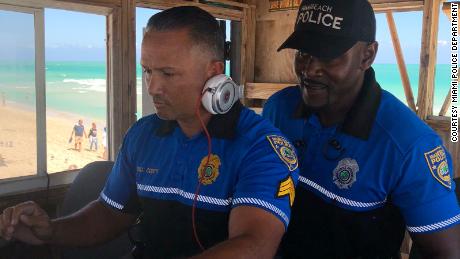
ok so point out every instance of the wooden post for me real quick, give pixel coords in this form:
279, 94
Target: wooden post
445, 105
248, 39
401, 63
122, 77
446, 8
248, 42
428, 58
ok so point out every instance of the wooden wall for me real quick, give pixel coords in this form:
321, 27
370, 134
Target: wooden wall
272, 28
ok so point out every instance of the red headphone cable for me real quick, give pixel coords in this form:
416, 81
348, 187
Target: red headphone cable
201, 174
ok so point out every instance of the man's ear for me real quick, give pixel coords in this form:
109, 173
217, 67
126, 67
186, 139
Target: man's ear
369, 53
215, 68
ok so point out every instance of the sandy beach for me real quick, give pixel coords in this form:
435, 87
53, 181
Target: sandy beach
18, 148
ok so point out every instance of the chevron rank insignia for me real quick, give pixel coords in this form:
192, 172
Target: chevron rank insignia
284, 150
287, 188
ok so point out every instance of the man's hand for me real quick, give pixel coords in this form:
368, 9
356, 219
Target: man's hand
26, 222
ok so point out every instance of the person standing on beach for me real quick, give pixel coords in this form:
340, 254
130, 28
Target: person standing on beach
79, 131
211, 178
370, 168
105, 154
93, 137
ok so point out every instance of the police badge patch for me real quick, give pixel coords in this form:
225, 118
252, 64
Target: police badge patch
439, 168
208, 174
344, 174
284, 150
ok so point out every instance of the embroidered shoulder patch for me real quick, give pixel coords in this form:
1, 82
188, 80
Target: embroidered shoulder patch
287, 188
439, 168
284, 150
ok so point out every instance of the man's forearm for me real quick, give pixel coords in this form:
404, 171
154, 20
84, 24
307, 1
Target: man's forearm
244, 246
94, 224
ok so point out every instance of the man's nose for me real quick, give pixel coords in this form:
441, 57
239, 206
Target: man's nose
313, 68
154, 86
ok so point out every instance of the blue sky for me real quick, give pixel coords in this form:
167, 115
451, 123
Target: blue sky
80, 37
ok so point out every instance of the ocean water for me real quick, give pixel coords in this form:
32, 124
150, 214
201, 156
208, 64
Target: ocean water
80, 87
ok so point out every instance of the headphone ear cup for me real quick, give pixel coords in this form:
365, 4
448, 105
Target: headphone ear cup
206, 100
220, 93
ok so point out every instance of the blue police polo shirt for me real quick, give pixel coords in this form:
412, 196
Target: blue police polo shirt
158, 167
382, 151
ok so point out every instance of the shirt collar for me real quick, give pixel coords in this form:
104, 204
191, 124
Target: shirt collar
360, 118
219, 126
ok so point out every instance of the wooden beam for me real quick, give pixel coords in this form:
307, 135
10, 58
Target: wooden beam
262, 90
129, 62
109, 3
439, 123
248, 44
235, 53
247, 48
230, 3
401, 63
122, 72
402, 6
446, 8
218, 12
428, 58
446, 104
113, 80
77, 6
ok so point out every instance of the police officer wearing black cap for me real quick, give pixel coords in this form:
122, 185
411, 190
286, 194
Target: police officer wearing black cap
370, 168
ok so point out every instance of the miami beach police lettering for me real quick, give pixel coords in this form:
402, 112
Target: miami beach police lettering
319, 14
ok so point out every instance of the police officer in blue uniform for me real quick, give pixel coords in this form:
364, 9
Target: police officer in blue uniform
210, 177
369, 167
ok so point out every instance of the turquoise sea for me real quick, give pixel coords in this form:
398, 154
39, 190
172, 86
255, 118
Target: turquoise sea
80, 87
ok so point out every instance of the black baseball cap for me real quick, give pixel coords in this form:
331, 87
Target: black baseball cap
328, 28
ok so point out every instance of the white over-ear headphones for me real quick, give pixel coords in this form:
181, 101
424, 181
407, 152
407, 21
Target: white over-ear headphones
219, 94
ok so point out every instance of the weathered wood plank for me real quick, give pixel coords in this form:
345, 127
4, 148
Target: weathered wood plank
219, 12
428, 58
230, 3
249, 43
446, 8
445, 104
399, 6
262, 90
77, 6
122, 72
